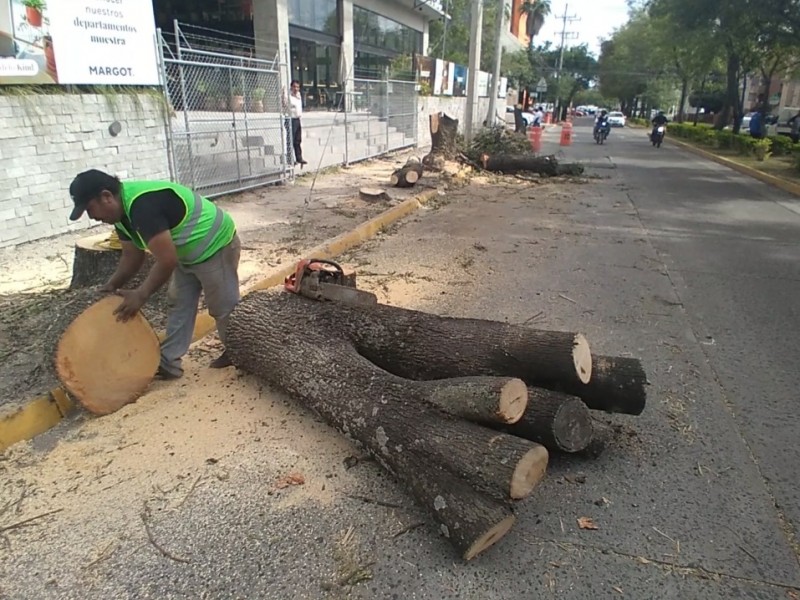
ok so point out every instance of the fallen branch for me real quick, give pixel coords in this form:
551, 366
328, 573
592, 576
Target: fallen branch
158, 546
29, 520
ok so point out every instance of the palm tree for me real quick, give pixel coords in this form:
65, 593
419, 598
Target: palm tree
535, 12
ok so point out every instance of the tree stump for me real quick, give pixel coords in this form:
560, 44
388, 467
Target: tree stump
463, 473
373, 194
104, 363
444, 136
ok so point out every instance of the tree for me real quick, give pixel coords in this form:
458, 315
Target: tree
535, 12
451, 43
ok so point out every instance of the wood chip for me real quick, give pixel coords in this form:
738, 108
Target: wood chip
586, 523
617, 589
290, 479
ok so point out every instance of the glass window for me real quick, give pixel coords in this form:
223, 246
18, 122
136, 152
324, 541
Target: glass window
382, 32
319, 15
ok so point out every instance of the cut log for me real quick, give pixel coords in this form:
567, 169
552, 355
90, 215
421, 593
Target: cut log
444, 135
480, 399
459, 470
373, 194
544, 165
618, 385
557, 421
104, 363
406, 176
31, 330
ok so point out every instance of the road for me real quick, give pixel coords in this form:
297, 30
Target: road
661, 255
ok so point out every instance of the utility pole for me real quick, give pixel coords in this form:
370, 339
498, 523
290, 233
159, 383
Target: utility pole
446, 21
476, 29
494, 88
565, 18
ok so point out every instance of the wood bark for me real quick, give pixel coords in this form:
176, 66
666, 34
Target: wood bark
462, 472
544, 165
618, 385
407, 176
557, 421
444, 135
94, 263
480, 399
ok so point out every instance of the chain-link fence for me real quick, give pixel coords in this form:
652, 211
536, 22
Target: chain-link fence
226, 129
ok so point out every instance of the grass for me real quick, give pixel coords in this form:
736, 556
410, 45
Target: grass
777, 166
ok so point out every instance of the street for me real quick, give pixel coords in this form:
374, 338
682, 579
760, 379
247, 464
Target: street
658, 254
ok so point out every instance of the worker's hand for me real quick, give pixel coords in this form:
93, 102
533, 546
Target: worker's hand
132, 301
106, 289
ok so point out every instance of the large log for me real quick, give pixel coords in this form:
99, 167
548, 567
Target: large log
618, 385
557, 421
544, 165
95, 260
461, 471
480, 399
407, 176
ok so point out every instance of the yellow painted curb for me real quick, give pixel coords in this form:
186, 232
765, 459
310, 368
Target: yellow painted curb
779, 182
45, 412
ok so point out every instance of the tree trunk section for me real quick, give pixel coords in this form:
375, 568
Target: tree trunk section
407, 176
543, 165
618, 385
480, 399
104, 363
557, 421
35, 355
457, 469
95, 261
444, 135
373, 194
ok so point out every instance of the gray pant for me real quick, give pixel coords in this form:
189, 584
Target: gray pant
218, 279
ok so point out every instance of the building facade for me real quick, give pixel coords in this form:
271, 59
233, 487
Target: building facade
330, 42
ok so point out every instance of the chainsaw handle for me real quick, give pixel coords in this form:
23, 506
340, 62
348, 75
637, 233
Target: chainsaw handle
325, 261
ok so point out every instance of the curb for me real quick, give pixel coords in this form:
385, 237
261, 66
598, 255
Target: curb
779, 182
40, 414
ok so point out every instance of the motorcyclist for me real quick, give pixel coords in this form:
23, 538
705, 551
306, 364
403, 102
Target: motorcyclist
658, 120
602, 122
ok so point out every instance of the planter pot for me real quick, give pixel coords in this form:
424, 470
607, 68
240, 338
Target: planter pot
256, 106
210, 104
50, 57
34, 17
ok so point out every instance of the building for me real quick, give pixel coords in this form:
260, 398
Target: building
329, 42
519, 23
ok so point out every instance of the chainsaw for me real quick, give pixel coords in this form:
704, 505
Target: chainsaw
322, 279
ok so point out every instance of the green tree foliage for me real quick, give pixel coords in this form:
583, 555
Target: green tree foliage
454, 43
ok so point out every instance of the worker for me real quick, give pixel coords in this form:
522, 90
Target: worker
193, 242
296, 130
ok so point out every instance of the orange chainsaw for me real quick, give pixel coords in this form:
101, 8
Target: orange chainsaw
322, 279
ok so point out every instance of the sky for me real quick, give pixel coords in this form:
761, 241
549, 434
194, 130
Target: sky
598, 19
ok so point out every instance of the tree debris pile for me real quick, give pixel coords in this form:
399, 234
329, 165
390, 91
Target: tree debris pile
461, 411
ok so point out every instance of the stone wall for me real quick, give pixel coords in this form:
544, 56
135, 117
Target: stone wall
46, 139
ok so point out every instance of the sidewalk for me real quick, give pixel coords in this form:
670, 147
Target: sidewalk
277, 225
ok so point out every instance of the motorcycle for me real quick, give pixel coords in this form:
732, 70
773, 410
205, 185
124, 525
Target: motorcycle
657, 136
601, 131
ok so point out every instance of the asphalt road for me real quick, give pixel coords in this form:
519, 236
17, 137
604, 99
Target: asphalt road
664, 256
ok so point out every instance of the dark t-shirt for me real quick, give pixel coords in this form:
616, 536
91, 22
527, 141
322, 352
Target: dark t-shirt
154, 212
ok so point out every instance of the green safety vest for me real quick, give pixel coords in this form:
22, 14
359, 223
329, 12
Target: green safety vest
204, 230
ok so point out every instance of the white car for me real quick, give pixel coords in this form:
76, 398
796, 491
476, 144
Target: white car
616, 119
528, 117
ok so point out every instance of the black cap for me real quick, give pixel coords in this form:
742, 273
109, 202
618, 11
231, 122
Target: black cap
89, 185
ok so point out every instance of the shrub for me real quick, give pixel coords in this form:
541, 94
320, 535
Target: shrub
762, 149
497, 140
781, 145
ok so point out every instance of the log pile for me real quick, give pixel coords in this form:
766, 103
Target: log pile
463, 412
543, 165
408, 175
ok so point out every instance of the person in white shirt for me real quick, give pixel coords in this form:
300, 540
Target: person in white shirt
295, 113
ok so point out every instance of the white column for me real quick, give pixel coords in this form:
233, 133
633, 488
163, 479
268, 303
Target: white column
271, 29
426, 38
347, 49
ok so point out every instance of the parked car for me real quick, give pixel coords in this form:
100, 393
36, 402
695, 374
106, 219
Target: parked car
526, 116
616, 119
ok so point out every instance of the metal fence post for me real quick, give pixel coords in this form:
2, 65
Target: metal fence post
165, 108
185, 105
345, 108
386, 100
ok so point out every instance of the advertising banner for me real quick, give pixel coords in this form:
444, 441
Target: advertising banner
483, 84
460, 80
91, 42
443, 82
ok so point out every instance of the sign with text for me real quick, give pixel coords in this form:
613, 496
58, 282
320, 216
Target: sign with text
91, 42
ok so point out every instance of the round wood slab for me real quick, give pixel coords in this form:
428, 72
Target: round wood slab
104, 363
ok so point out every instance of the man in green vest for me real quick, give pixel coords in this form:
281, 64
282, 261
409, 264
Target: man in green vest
193, 241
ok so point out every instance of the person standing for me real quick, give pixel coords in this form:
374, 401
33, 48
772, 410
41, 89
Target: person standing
193, 242
295, 114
